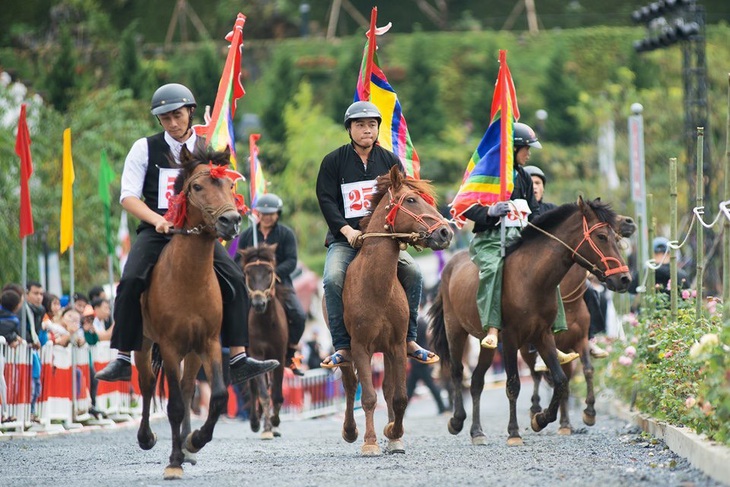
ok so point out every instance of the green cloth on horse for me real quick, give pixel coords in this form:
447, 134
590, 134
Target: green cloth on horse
485, 252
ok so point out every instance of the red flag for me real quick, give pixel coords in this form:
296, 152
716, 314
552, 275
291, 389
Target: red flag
22, 148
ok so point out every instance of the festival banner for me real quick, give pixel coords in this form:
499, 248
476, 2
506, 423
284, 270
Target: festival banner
22, 149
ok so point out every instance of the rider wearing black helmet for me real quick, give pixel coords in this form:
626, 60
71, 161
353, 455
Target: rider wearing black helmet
351, 170
538, 185
270, 231
151, 165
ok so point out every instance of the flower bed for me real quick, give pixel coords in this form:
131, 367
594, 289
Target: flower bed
676, 372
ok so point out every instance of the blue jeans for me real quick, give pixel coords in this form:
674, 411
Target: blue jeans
339, 256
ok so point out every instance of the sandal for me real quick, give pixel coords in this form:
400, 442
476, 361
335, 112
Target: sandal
424, 356
335, 360
9, 419
489, 341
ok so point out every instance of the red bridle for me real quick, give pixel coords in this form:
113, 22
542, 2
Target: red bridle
266, 293
395, 207
605, 260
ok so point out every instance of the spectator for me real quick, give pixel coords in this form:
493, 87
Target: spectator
37, 336
52, 305
314, 355
71, 331
422, 372
80, 302
662, 274
10, 303
96, 292
102, 316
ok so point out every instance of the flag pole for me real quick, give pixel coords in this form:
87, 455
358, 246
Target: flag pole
110, 267
71, 270
24, 283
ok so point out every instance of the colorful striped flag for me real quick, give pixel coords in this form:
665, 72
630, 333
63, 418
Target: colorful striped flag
258, 181
22, 149
219, 131
489, 175
67, 196
373, 86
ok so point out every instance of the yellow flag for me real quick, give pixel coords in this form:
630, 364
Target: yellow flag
67, 197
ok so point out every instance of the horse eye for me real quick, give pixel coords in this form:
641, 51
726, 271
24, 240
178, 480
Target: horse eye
602, 237
411, 199
197, 187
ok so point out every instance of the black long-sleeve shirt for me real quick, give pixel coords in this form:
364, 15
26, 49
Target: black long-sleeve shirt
341, 167
286, 248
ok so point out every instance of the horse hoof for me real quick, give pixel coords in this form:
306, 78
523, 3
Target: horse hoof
349, 437
277, 433
275, 420
515, 441
536, 424
533, 413
370, 451
455, 426
388, 431
190, 457
173, 473
589, 420
147, 445
188, 445
480, 440
255, 426
267, 435
395, 446
565, 431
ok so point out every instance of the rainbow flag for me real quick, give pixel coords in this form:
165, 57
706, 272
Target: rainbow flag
373, 86
489, 175
218, 131
258, 181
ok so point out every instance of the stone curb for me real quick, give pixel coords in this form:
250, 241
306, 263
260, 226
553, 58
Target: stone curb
711, 457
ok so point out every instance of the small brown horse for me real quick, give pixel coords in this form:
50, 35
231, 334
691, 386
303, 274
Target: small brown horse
535, 264
182, 307
572, 289
375, 304
268, 333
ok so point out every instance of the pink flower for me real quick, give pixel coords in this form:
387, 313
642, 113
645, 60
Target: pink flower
630, 351
694, 293
685, 294
624, 360
669, 285
634, 340
707, 408
690, 402
668, 354
712, 307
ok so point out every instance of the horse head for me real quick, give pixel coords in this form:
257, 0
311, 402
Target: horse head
205, 201
409, 212
599, 251
259, 269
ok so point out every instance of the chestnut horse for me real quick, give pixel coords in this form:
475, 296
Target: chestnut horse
375, 304
268, 333
182, 307
535, 264
575, 338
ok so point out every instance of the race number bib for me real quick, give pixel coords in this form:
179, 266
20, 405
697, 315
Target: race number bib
355, 197
517, 217
166, 185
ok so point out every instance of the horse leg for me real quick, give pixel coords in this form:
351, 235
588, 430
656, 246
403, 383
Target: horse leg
175, 413
395, 368
145, 437
369, 400
349, 427
388, 386
218, 397
265, 402
509, 351
190, 371
254, 417
589, 413
529, 359
565, 428
549, 353
277, 396
477, 386
457, 340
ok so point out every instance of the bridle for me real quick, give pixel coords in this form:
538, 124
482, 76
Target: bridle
268, 292
210, 214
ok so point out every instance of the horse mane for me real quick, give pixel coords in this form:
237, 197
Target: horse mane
382, 186
550, 220
266, 253
200, 155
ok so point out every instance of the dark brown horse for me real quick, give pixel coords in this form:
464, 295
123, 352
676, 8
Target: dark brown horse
268, 333
375, 304
182, 307
575, 338
534, 266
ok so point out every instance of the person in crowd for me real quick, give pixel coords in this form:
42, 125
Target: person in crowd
353, 168
52, 305
80, 302
423, 372
662, 275
152, 163
271, 231
102, 314
485, 247
72, 333
96, 292
10, 304
314, 351
38, 337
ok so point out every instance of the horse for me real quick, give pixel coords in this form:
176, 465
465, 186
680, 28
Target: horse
268, 331
534, 265
375, 304
182, 306
574, 338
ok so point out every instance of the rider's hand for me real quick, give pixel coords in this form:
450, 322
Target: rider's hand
351, 235
163, 226
498, 209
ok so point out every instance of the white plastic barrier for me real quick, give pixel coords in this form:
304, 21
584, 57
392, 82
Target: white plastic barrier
17, 375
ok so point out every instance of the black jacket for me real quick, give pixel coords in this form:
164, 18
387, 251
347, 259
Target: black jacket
286, 249
9, 325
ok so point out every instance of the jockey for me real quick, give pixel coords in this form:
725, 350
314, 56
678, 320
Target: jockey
149, 170
485, 247
346, 176
268, 208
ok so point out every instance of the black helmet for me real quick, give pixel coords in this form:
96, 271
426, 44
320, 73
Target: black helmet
524, 135
269, 203
535, 171
362, 109
170, 97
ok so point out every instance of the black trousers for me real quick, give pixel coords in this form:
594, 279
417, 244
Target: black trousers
127, 334
295, 316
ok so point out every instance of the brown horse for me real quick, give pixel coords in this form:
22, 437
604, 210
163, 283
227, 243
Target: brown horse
268, 332
375, 304
535, 264
575, 338
182, 307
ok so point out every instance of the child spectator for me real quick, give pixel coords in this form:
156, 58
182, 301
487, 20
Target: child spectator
102, 318
10, 303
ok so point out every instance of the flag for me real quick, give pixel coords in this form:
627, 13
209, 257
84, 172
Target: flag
67, 201
258, 181
219, 131
373, 86
489, 175
22, 149
106, 177
124, 243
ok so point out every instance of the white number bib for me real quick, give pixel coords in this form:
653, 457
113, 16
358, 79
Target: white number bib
355, 197
517, 217
165, 186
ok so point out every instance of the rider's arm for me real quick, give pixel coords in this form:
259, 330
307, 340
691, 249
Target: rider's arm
288, 251
328, 194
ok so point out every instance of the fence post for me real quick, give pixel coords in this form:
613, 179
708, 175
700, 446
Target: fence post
699, 202
650, 224
674, 288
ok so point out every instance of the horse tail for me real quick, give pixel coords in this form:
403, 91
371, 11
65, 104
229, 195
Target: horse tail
439, 340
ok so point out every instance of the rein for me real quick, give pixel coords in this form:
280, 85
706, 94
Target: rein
210, 214
571, 296
267, 293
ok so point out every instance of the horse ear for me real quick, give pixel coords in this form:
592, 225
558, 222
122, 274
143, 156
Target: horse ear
396, 177
184, 153
242, 253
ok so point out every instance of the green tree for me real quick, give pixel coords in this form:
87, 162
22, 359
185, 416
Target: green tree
282, 82
61, 81
422, 106
561, 93
205, 74
129, 71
